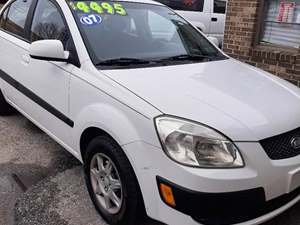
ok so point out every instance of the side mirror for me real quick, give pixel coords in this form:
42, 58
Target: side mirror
49, 50
214, 40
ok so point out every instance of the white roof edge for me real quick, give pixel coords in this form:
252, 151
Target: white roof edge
142, 1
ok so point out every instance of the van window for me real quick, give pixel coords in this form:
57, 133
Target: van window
184, 5
16, 16
219, 6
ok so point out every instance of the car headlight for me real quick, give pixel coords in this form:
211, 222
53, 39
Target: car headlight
196, 145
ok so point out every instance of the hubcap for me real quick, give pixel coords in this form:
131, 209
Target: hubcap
106, 183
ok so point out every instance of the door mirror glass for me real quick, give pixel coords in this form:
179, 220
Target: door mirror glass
49, 50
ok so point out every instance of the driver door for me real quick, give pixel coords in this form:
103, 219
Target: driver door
47, 81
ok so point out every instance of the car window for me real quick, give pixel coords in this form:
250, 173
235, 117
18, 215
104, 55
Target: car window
48, 23
139, 31
219, 6
3, 18
161, 27
185, 5
14, 17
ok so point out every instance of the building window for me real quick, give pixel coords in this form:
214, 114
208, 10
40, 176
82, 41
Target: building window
282, 23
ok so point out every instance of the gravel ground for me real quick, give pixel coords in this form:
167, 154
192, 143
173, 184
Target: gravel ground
27, 156
60, 200
41, 184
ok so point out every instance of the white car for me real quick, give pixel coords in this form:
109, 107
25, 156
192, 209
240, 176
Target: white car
207, 15
164, 122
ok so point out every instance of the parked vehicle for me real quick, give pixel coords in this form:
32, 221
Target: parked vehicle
162, 120
207, 15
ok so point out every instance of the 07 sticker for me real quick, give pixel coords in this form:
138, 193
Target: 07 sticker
99, 7
90, 20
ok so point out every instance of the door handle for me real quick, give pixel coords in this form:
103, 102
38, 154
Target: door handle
25, 59
214, 19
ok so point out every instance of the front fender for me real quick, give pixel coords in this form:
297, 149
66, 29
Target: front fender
123, 127
109, 119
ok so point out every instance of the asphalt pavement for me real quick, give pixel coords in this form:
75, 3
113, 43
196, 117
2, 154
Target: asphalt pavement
42, 184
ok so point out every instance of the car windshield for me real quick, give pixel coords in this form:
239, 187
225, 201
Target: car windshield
130, 33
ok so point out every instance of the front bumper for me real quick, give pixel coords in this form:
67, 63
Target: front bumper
225, 208
250, 195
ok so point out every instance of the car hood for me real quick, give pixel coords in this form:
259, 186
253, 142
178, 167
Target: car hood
241, 101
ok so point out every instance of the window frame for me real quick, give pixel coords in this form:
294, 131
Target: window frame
28, 23
2, 14
57, 6
213, 10
74, 59
261, 12
7, 7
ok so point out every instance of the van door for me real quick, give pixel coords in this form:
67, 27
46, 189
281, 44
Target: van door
218, 19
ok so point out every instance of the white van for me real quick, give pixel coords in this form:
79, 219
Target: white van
208, 15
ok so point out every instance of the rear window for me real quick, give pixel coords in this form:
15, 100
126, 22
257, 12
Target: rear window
184, 5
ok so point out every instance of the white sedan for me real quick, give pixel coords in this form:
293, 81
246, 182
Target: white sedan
164, 122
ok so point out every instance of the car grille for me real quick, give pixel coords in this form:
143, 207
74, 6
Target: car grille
280, 147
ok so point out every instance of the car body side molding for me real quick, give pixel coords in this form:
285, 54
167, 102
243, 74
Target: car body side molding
28, 93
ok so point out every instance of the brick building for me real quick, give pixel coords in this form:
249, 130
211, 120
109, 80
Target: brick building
266, 34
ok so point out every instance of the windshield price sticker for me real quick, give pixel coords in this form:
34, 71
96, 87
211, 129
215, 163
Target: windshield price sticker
90, 20
99, 7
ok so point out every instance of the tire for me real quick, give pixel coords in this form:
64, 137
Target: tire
102, 149
5, 108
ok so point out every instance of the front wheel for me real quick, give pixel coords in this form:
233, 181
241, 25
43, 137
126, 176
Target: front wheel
5, 108
111, 182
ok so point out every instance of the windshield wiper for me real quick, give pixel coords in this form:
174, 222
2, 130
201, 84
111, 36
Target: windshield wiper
188, 57
122, 62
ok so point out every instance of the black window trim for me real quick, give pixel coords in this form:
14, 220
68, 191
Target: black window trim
13, 34
4, 8
73, 51
29, 19
28, 23
215, 7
